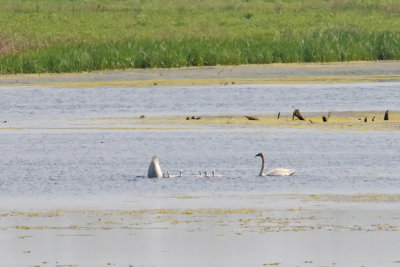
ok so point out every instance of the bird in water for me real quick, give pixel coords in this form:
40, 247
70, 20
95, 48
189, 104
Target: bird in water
199, 175
274, 172
206, 175
154, 169
216, 175
175, 176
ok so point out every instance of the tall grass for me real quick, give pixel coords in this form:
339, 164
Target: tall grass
86, 35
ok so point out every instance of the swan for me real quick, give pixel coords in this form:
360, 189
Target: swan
174, 176
216, 175
199, 175
154, 169
206, 175
274, 172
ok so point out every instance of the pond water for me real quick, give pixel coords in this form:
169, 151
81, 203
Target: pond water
93, 162
28, 102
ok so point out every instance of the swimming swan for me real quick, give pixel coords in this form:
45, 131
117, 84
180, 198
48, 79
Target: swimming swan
274, 172
154, 169
216, 175
206, 175
174, 176
199, 175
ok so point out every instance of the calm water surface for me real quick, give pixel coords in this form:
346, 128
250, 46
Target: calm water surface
90, 162
28, 102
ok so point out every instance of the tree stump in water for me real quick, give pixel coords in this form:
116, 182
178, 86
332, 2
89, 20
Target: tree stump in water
296, 113
386, 118
324, 119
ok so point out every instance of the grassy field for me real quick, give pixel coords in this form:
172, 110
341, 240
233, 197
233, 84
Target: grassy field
83, 35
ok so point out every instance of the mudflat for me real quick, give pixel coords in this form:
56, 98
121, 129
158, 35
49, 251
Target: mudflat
342, 72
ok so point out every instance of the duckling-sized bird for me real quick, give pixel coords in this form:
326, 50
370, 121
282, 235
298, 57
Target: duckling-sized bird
216, 175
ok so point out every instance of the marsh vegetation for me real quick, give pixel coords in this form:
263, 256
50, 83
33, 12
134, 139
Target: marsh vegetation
84, 35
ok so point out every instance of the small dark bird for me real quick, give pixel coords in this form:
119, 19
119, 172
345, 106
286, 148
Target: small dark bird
279, 115
324, 119
365, 119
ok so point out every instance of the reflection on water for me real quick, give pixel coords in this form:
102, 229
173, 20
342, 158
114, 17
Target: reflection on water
85, 163
26, 102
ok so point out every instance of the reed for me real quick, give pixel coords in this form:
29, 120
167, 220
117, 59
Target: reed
85, 35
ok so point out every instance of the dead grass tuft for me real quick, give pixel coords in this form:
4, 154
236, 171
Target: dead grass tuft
7, 45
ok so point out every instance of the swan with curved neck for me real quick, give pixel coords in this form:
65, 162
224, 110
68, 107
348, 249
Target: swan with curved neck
274, 172
154, 169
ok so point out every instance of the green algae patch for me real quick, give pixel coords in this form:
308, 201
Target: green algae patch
354, 198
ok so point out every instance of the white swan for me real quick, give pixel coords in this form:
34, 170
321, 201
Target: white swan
154, 169
216, 175
274, 172
199, 175
206, 175
174, 176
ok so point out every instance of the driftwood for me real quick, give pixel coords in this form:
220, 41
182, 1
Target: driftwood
252, 118
386, 118
193, 118
297, 114
324, 119
373, 119
311, 121
365, 119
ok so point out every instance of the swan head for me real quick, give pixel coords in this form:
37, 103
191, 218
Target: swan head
260, 155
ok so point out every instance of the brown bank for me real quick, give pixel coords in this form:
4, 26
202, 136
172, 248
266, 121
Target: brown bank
348, 72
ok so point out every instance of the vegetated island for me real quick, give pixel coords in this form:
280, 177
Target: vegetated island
50, 36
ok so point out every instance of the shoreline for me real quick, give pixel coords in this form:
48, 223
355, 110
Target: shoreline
302, 73
296, 230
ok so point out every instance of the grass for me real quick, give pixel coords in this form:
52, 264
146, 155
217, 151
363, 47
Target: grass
84, 35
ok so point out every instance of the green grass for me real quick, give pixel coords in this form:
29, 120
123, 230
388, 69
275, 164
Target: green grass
85, 35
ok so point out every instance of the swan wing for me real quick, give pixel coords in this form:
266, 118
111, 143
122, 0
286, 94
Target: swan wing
280, 172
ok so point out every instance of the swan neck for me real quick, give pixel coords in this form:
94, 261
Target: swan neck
262, 166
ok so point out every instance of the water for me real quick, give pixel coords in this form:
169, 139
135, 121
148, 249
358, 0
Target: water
92, 162
34, 102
